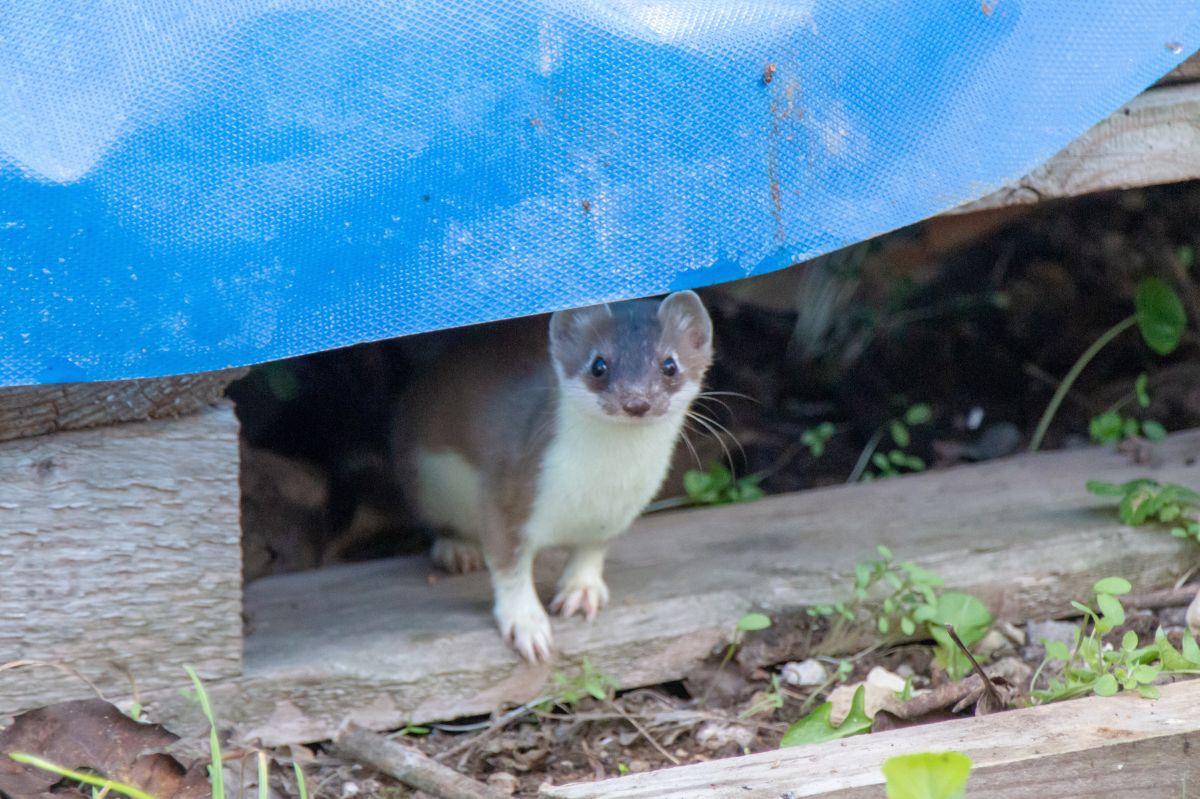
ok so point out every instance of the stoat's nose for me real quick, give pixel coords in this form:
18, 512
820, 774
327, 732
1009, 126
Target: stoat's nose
635, 406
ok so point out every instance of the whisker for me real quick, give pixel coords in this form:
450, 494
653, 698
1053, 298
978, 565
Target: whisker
737, 394
683, 434
718, 401
732, 437
704, 422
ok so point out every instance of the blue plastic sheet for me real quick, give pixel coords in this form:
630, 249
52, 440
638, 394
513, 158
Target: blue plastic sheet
191, 184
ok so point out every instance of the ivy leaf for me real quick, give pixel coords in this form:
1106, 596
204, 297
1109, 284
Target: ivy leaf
816, 727
929, 775
1160, 315
965, 613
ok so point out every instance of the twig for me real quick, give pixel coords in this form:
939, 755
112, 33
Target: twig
1156, 600
409, 766
988, 688
490, 729
643, 731
861, 465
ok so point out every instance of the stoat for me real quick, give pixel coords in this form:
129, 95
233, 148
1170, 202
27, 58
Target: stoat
550, 433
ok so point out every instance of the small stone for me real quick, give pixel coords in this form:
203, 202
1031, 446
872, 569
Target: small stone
1193, 616
806, 672
350, 789
992, 642
1012, 632
1050, 630
905, 671
714, 735
638, 766
503, 782
885, 679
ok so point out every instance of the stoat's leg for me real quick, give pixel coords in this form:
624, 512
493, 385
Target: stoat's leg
519, 613
581, 588
456, 555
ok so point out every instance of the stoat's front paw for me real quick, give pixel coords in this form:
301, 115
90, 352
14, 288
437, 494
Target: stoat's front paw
525, 625
455, 555
584, 594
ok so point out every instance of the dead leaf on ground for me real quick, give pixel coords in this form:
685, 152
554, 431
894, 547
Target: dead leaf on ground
93, 735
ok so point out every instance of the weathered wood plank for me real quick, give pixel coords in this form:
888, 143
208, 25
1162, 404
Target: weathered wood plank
1153, 139
120, 551
1116, 746
1187, 72
379, 644
36, 410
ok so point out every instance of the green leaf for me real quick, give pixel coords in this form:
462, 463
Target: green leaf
1160, 315
1110, 606
1153, 431
1129, 641
816, 727
1145, 673
900, 434
1103, 489
1106, 685
1190, 649
907, 626
753, 621
1148, 691
918, 414
969, 616
1139, 389
1056, 650
883, 551
1113, 585
881, 462
1105, 428
929, 775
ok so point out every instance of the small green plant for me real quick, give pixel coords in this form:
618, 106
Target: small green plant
750, 622
766, 701
1092, 668
928, 775
216, 772
1112, 427
896, 460
301, 785
1158, 315
99, 784
914, 599
815, 438
568, 691
717, 486
817, 728
1145, 500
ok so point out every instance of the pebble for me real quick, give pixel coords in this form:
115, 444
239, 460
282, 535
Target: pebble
806, 672
503, 782
1050, 630
714, 735
350, 789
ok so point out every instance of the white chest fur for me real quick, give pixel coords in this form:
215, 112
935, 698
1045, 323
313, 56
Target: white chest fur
597, 475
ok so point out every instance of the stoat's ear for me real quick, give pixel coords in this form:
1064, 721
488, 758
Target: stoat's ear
576, 326
682, 314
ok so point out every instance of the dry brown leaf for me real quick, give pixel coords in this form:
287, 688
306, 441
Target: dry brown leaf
93, 735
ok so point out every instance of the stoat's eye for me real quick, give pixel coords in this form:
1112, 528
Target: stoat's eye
669, 367
599, 367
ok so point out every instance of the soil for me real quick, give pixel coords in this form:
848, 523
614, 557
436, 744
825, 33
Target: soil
979, 326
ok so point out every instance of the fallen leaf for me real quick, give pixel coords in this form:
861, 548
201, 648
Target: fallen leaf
816, 726
93, 735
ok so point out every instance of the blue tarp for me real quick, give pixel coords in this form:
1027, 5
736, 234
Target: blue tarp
192, 184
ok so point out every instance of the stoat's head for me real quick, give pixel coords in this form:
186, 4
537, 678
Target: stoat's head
633, 361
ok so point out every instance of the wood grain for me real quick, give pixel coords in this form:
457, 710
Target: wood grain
378, 644
120, 552
1153, 139
36, 410
1115, 746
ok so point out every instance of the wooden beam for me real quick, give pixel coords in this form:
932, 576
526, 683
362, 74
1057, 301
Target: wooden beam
1115, 746
1187, 72
384, 643
36, 410
120, 558
1153, 139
